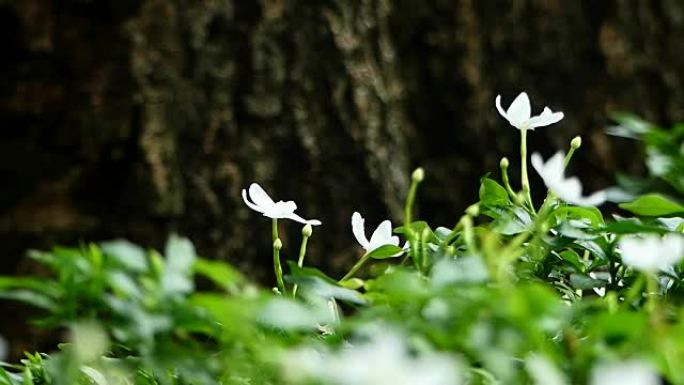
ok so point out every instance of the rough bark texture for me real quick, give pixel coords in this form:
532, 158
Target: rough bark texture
137, 118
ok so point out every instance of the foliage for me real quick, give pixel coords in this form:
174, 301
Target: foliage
511, 294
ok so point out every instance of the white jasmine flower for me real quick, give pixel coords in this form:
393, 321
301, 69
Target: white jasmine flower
263, 203
651, 253
543, 371
382, 359
381, 236
568, 189
519, 114
633, 372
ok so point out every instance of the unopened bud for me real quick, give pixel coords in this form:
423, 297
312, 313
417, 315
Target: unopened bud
576, 142
277, 244
418, 175
307, 230
473, 210
504, 162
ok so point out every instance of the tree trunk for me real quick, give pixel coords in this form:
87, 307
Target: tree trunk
136, 118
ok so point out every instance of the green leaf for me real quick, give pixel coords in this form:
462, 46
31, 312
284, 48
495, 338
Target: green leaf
220, 273
313, 281
591, 214
352, 283
386, 251
493, 194
654, 205
131, 256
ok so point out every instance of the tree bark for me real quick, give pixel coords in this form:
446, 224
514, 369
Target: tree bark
136, 118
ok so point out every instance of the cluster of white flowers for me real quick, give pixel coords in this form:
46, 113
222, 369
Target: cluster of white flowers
553, 171
382, 358
632, 372
651, 253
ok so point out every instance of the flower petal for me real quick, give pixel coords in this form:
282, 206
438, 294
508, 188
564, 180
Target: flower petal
357, 223
502, 112
382, 235
251, 205
519, 111
546, 118
538, 164
297, 218
259, 196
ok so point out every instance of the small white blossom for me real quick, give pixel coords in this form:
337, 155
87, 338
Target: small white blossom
263, 203
380, 237
568, 189
633, 372
651, 253
519, 114
382, 359
543, 371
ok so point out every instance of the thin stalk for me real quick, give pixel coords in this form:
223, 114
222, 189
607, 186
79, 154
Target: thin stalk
356, 267
505, 180
277, 267
523, 168
300, 261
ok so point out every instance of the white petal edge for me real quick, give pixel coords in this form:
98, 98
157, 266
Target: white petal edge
519, 111
249, 204
502, 112
382, 234
297, 218
259, 195
357, 223
545, 119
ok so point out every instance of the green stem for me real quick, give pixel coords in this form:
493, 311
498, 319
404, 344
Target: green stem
356, 267
277, 267
300, 261
506, 182
523, 168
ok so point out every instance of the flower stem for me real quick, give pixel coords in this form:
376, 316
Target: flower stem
356, 267
523, 168
277, 267
416, 178
306, 233
504, 178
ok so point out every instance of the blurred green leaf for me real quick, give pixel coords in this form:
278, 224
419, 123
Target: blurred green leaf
654, 205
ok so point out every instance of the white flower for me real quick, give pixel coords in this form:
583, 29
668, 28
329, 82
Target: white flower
519, 114
543, 371
568, 189
381, 236
651, 253
382, 358
263, 203
633, 372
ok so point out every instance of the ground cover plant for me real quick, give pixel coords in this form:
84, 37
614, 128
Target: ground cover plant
514, 292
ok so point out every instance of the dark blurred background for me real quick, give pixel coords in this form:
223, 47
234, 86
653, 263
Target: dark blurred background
136, 118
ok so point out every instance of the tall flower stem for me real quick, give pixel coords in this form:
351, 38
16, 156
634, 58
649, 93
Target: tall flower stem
356, 267
277, 267
306, 233
416, 177
524, 179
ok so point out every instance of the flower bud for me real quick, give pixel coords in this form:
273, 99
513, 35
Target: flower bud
277, 244
473, 210
307, 230
576, 142
418, 175
504, 162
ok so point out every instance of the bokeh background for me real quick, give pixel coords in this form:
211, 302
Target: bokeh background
136, 118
